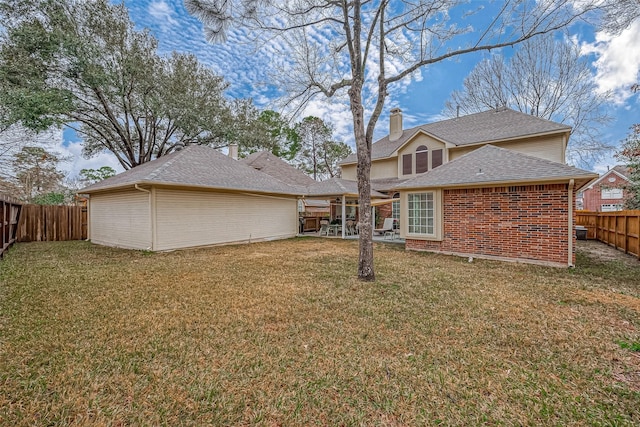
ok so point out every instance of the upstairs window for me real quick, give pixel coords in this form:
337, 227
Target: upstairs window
422, 159
436, 158
611, 193
407, 164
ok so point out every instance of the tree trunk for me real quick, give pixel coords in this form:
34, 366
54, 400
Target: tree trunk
363, 149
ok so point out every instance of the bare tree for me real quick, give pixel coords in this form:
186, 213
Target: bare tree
547, 78
619, 14
364, 48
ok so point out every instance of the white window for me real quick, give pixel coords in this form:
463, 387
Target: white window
610, 207
395, 207
611, 193
421, 213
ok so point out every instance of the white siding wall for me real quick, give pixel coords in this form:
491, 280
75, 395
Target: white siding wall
410, 148
121, 219
548, 147
386, 168
198, 218
348, 172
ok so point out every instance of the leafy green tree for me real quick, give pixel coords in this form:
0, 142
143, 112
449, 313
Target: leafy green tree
284, 141
320, 153
70, 63
91, 176
629, 153
53, 198
36, 173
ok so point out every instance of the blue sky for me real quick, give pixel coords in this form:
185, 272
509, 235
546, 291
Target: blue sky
615, 62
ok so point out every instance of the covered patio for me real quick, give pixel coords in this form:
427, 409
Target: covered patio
344, 213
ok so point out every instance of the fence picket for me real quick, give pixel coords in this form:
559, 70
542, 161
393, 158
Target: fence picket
9, 213
618, 229
52, 223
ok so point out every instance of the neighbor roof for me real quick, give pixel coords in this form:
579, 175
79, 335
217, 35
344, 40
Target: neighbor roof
490, 164
269, 163
620, 170
488, 126
198, 166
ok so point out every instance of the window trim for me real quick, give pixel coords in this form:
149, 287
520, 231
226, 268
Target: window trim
619, 193
422, 156
437, 215
407, 160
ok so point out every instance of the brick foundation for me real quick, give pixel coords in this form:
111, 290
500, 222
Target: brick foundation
527, 223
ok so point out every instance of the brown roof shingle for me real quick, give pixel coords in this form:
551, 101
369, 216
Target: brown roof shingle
487, 126
269, 163
490, 164
198, 166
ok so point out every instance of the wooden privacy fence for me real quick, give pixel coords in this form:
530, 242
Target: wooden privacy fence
39, 223
619, 229
9, 215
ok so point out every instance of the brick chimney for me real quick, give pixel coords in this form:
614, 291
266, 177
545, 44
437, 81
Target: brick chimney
233, 151
395, 124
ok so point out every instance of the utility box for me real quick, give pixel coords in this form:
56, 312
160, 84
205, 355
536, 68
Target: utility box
581, 232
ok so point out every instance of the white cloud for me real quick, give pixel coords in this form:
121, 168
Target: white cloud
76, 162
618, 60
163, 13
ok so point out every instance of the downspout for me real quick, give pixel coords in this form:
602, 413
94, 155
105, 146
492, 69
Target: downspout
570, 223
89, 218
137, 187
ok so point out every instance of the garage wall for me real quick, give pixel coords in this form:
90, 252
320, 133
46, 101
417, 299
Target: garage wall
198, 218
120, 219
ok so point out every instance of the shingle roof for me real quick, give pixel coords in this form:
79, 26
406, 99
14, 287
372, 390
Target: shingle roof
337, 187
269, 163
490, 164
620, 170
386, 184
198, 166
487, 126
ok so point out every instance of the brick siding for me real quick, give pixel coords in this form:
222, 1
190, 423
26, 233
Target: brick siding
592, 197
518, 222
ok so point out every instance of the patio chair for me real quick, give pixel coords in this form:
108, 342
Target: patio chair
386, 226
324, 227
351, 228
395, 231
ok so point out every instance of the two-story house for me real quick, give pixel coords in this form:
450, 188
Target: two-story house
606, 194
492, 184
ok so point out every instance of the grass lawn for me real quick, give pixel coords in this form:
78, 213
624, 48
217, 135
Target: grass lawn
282, 333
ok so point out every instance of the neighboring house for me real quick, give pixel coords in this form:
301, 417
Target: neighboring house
193, 197
269, 163
606, 194
492, 184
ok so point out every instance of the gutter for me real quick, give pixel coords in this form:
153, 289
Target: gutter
570, 223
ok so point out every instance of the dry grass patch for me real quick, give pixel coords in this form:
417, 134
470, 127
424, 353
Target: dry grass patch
282, 333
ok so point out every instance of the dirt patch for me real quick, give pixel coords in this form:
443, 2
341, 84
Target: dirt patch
603, 252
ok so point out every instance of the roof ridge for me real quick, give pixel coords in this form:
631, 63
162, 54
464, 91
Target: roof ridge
168, 162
